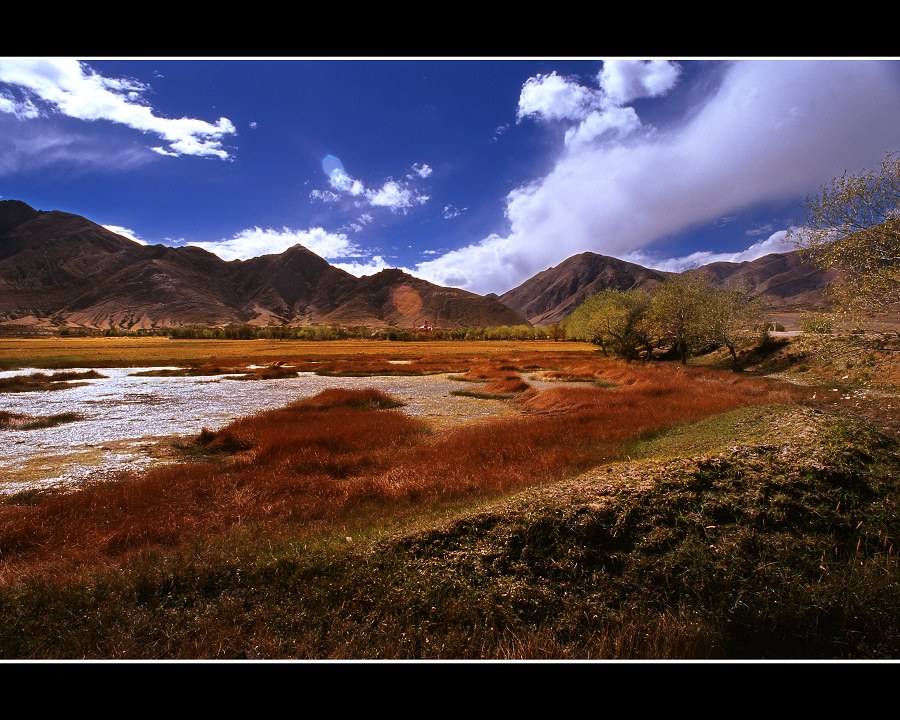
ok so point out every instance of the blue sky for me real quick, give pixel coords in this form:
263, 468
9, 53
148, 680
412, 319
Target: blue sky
469, 173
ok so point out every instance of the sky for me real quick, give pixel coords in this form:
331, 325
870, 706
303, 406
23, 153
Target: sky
470, 173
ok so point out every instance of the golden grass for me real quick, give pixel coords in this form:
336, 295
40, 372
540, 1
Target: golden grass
159, 351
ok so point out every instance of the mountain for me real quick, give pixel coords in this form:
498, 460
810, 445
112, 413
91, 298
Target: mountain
58, 269
552, 294
783, 281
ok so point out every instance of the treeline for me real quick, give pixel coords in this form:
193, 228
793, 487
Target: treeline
336, 332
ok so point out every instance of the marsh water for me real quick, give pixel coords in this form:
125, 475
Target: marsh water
129, 420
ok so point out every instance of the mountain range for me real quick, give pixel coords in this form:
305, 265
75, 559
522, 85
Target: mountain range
61, 270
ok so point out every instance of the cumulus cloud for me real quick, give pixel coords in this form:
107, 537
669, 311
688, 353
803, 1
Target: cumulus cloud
255, 241
554, 97
613, 121
341, 181
771, 131
125, 232
395, 197
626, 80
599, 111
72, 88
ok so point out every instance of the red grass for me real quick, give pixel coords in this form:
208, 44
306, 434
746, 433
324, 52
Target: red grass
330, 456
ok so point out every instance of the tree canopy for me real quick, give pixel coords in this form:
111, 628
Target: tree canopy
687, 312
615, 320
853, 226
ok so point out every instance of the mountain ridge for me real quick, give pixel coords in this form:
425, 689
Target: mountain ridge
60, 270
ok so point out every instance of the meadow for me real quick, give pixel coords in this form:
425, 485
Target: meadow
613, 511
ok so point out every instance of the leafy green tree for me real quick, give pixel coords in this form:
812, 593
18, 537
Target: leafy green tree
691, 313
679, 312
731, 317
853, 226
615, 320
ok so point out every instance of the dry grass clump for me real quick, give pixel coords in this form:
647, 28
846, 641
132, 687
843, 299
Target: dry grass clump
20, 421
291, 464
43, 381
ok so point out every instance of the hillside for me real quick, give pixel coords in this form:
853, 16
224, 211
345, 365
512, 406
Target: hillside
61, 270
782, 281
554, 293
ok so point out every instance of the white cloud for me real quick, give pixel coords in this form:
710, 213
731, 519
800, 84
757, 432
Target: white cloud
35, 145
776, 243
596, 112
341, 181
72, 88
394, 196
325, 196
255, 241
125, 232
553, 97
22, 109
451, 212
770, 132
376, 264
627, 80
761, 230
614, 120
360, 223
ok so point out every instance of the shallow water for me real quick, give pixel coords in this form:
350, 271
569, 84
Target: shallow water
128, 419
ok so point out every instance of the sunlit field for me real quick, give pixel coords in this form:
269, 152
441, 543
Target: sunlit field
576, 523
347, 454
149, 351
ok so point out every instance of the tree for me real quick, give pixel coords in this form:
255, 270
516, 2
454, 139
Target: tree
691, 313
853, 227
732, 316
679, 312
615, 320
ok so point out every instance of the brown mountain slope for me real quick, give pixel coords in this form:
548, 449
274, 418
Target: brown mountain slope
394, 298
59, 269
296, 287
554, 293
48, 259
782, 281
